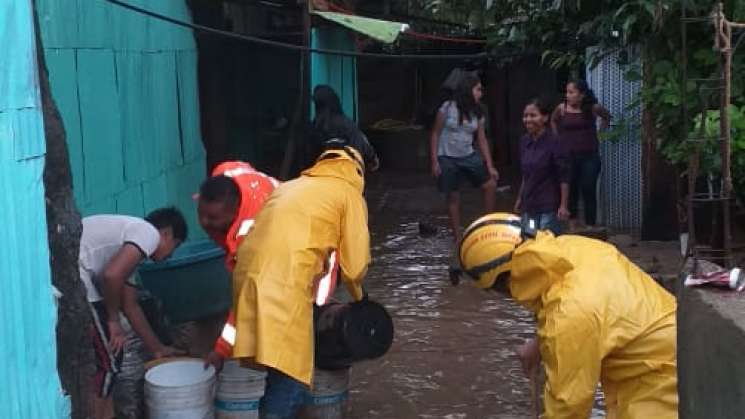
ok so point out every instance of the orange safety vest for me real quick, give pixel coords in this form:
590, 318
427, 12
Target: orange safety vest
255, 187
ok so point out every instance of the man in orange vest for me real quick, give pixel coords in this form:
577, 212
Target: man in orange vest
227, 204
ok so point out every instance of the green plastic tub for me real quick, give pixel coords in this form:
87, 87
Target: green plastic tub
192, 284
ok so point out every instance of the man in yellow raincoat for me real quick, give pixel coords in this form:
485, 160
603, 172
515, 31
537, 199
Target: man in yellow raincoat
600, 317
301, 223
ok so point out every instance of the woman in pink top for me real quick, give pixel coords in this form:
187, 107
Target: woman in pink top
575, 122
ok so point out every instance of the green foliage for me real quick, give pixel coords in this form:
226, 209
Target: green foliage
640, 31
473, 13
704, 139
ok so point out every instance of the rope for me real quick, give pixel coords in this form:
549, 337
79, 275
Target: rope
301, 48
419, 35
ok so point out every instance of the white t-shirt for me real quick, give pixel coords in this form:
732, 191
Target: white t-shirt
103, 236
456, 139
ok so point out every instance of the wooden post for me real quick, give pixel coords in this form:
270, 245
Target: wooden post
724, 34
302, 107
75, 356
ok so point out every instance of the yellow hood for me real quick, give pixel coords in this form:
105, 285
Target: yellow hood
536, 265
341, 165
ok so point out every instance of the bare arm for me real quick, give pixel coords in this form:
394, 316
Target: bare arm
484, 148
563, 213
563, 166
433, 141
519, 200
603, 114
117, 271
556, 117
136, 317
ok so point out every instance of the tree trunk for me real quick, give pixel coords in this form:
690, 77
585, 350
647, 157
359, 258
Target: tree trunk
660, 191
75, 357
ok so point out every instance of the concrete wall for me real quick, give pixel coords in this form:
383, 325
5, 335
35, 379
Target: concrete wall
711, 366
29, 385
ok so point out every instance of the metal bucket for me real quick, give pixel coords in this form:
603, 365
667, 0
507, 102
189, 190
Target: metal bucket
239, 391
329, 397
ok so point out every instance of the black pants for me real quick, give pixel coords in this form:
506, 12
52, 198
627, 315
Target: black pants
585, 172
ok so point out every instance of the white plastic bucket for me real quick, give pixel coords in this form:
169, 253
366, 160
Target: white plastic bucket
329, 396
181, 389
239, 391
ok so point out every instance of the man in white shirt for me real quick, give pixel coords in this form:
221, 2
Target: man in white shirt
111, 248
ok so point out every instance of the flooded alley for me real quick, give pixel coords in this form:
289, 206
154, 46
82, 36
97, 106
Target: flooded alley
453, 352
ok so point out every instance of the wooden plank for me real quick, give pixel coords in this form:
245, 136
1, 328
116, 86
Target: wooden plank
163, 113
191, 136
338, 72
131, 29
64, 82
130, 202
59, 23
27, 134
105, 205
26, 304
101, 124
136, 118
28, 375
96, 21
18, 87
183, 38
182, 183
155, 193
164, 36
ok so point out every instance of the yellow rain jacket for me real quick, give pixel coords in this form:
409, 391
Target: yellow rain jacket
298, 227
600, 318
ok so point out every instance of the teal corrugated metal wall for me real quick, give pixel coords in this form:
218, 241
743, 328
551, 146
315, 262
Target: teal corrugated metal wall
335, 71
29, 385
126, 86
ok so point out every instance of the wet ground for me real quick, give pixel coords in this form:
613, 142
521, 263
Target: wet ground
453, 352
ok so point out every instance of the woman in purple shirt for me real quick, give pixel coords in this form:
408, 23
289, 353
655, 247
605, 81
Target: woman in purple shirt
544, 166
575, 123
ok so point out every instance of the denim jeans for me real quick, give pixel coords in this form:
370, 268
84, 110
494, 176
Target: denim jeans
544, 221
283, 396
583, 185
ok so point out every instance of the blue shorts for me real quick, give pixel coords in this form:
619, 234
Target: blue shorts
456, 169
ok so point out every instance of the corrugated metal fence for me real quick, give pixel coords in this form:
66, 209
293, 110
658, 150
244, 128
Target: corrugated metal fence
29, 385
620, 198
126, 86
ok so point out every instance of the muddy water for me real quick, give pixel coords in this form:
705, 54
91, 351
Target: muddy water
452, 357
453, 352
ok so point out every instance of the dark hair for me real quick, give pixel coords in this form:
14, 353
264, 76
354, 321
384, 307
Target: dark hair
169, 217
467, 105
220, 189
589, 100
540, 104
328, 106
333, 130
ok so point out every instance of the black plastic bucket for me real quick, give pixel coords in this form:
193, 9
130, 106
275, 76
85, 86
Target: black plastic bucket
348, 333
